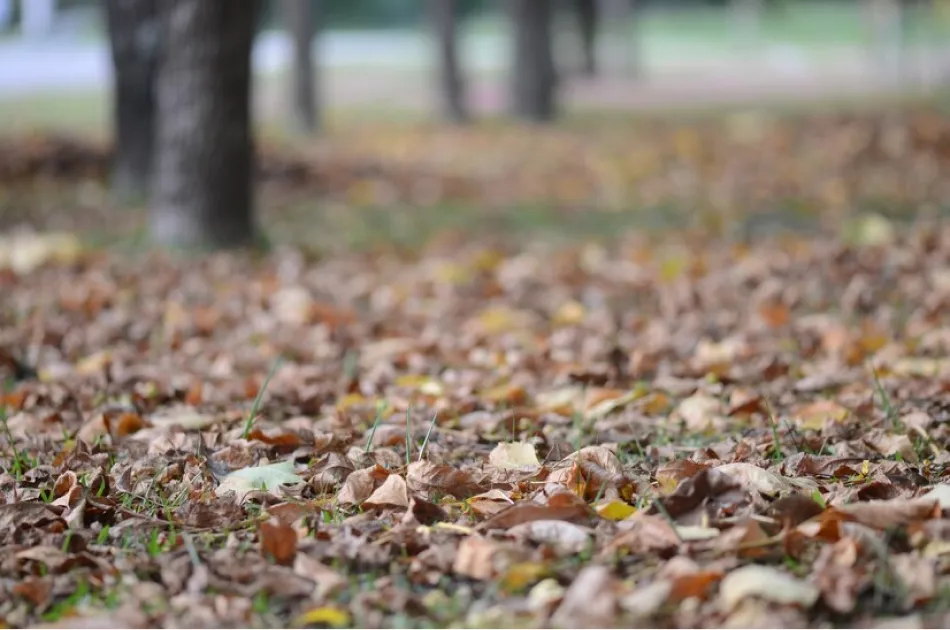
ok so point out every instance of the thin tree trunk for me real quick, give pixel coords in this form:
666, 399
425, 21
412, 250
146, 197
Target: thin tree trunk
135, 40
444, 17
885, 19
622, 14
299, 22
748, 19
533, 79
586, 11
203, 193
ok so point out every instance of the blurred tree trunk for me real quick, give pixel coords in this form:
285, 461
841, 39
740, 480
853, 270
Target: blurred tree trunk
748, 19
298, 18
135, 40
444, 17
586, 11
885, 21
621, 14
203, 190
533, 78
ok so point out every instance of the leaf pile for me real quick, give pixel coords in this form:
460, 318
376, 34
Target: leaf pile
675, 432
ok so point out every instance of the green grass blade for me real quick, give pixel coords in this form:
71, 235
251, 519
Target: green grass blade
260, 395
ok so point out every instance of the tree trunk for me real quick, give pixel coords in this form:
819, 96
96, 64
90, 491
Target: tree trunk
885, 20
299, 22
533, 77
586, 11
203, 192
622, 16
135, 39
748, 19
444, 17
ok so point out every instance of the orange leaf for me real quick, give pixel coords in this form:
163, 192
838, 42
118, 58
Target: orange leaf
279, 542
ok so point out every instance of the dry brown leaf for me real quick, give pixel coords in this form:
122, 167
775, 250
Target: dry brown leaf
884, 515
768, 483
527, 511
360, 484
278, 542
483, 559
700, 412
392, 493
490, 503
645, 533
328, 582
592, 600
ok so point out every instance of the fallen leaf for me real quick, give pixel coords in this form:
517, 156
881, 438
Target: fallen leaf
483, 559
360, 484
22, 253
393, 493
514, 456
939, 493
615, 510
768, 583
813, 416
528, 511
328, 582
764, 481
279, 542
700, 412
590, 601
562, 535
326, 615
268, 478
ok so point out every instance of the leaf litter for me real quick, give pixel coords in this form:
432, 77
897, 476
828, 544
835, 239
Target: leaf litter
674, 432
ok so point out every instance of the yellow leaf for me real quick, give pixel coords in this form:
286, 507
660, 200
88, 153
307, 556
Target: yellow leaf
600, 401
521, 575
814, 415
350, 400
615, 510
514, 455
454, 273
570, 313
421, 383
487, 260
672, 268
329, 615
93, 363
921, 366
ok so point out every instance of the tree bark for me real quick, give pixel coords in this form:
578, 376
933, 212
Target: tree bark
444, 17
299, 21
533, 76
586, 11
203, 193
135, 40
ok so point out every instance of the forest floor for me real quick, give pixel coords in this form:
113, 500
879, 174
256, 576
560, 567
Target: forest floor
622, 372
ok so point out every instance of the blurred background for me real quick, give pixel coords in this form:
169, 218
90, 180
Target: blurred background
679, 110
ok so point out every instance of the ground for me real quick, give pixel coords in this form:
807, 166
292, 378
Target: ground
635, 369
703, 384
